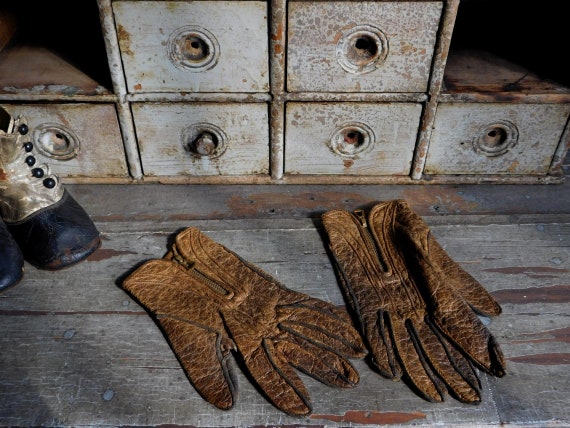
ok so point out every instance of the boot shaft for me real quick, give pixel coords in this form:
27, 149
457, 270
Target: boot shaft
26, 187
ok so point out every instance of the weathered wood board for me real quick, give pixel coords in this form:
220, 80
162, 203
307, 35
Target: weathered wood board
76, 350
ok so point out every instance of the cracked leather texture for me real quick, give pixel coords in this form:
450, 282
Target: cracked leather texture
416, 307
212, 305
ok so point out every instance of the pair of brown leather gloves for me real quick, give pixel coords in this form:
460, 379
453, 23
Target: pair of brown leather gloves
414, 308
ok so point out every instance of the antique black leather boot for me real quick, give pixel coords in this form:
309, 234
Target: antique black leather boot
11, 259
51, 228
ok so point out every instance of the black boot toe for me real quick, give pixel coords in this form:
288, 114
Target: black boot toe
58, 236
11, 259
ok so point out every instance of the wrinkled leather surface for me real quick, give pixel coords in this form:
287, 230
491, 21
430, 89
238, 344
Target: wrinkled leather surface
416, 307
209, 302
11, 259
57, 236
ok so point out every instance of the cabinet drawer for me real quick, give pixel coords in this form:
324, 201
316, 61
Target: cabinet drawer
194, 46
202, 138
366, 47
76, 140
472, 138
350, 138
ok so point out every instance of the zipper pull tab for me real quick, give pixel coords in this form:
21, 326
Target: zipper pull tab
361, 216
178, 258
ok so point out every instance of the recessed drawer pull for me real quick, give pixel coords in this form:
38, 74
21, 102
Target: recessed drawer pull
496, 138
193, 48
352, 140
56, 141
361, 49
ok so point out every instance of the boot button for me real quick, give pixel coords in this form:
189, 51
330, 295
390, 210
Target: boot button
28, 146
49, 183
30, 160
38, 172
23, 129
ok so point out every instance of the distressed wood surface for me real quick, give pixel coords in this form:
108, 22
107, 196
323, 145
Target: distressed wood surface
472, 71
233, 38
239, 133
66, 139
320, 35
76, 350
350, 138
481, 129
41, 71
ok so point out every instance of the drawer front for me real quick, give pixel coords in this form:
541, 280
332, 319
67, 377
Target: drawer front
366, 47
475, 138
350, 138
76, 140
202, 138
194, 46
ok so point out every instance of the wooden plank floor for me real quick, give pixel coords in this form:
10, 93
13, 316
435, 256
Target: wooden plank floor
76, 350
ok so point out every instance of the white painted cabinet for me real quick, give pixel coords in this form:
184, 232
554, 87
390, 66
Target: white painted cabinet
489, 138
337, 46
289, 91
202, 139
351, 138
193, 46
77, 140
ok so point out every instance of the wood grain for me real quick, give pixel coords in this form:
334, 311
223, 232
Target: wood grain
78, 351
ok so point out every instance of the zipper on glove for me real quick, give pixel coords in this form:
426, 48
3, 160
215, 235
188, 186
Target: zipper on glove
190, 266
369, 241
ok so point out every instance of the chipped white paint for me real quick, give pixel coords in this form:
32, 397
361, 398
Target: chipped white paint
167, 131
92, 127
350, 138
193, 46
460, 127
404, 34
376, 64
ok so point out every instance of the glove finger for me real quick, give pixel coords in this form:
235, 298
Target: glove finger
467, 286
449, 364
381, 346
359, 272
191, 327
206, 359
460, 324
323, 324
322, 364
278, 380
370, 322
414, 364
268, 368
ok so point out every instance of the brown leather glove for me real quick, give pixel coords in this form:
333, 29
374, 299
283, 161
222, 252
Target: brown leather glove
415, 306
209, 302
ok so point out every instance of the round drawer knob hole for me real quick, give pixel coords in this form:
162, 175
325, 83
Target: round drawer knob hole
496, 138
193, 48
361, 49
352, 140
56, 141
